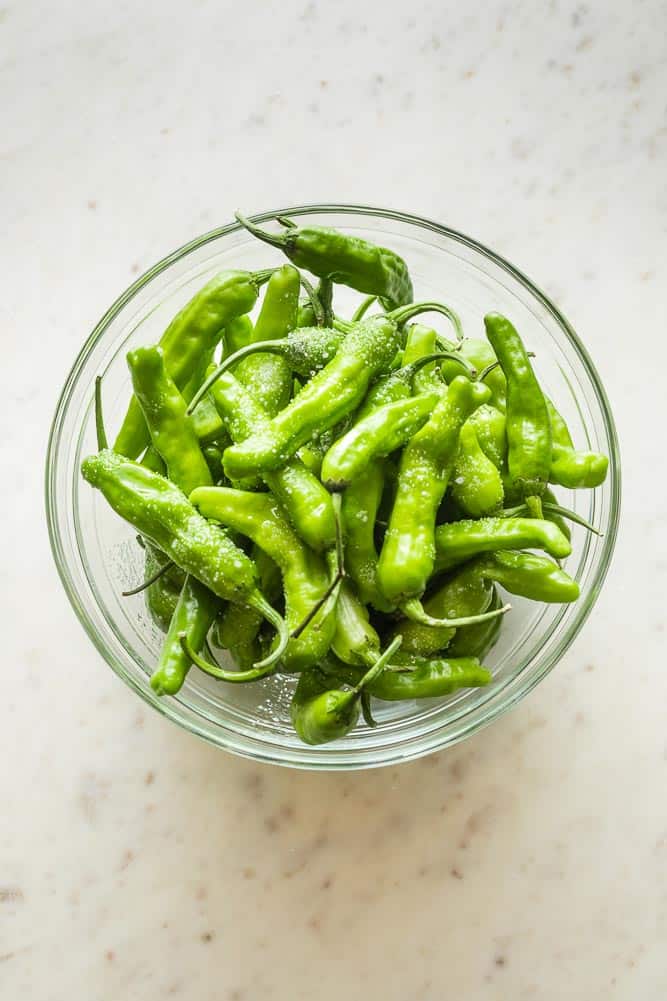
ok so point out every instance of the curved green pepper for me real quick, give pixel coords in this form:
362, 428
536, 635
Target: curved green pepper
191, 336
461, 540
570, 468
408, 554
476, 486
417, 678
164, 410
306, 502
305, 577
478, 639
529, 442
321, 714
346, 260
163, 514
489, 424
359, 508
383, 431
194, 614
268, 376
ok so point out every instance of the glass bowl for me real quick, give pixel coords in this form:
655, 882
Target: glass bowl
97, 555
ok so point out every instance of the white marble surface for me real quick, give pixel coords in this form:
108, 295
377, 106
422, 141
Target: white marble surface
138, 863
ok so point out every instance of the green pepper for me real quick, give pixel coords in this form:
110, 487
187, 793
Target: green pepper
329, 396
347, 260
469, 591
417, 678
489, 424
268, 376
162, 595
476, 486
420, 343
408, 554
305, 578
306, 502
237, 333
359, 508
163, 514
190, 336
194, 614
164, 410
237, 626
478, 639
479, 353
466, 593
529, 575
321, 714
383, 431
206, 421
461, 540
355, 640
570, 468
529, 438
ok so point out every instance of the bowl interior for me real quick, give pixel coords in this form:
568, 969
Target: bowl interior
98, 557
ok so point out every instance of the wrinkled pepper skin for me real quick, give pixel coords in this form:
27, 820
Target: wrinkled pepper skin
305, 577
408, 553
305, 500
477, 486
164, 409
464, 593
459, 541
163, 514
193, 333
530, 576
490, 424
359, 507
344, 259
375, 436
529, 442
330, 395
268, 376
570, 468
195, 612
422, 678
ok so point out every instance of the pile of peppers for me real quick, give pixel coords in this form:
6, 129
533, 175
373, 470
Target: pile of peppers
344, 499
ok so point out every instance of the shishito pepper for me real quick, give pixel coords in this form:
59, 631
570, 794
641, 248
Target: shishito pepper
344, 259
189, 338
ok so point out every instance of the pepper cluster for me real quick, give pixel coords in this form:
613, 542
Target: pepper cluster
341, 499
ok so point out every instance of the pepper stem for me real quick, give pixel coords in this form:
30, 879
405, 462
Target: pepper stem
366, 709
258, 601
102, 441
325, 296
405, 313
149, 580
273, 239
314, 300
439, 356
268, 347
339, 573
414, 610
214, 670
550, 508
378, 667
363, 308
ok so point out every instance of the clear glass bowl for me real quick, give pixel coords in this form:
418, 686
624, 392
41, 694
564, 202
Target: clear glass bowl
97, 556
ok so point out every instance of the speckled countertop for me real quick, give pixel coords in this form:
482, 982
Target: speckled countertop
138, 863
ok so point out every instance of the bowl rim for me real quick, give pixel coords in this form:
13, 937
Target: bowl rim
481, 717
